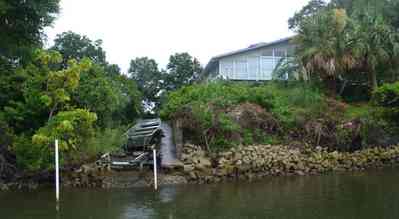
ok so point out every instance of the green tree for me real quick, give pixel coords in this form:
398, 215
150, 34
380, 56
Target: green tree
112, 69
22, 25
72, 128
7, 161
11, 81
312, 8
324, 46
376, 44
44, 91
147, 76
74, 46
109, 96
132, 105
60, 84
391, 13
182, 70
360, 39
103, 89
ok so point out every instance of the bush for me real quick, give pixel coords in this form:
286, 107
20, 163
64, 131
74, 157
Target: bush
7, 160
376, 131
221, 115
6, 134
387, 98
71, 128
105, 140
31, 157
225, 114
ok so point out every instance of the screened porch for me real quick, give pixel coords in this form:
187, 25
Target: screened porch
250, 68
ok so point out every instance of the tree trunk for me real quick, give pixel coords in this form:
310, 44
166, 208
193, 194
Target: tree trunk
341, 91
372, 80
371, 74
332, 86
52, 111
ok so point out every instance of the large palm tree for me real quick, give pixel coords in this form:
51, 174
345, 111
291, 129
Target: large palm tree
376, 44
324, 46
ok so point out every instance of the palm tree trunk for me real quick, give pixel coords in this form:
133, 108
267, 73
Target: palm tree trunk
372, 80
372, 75
332, 86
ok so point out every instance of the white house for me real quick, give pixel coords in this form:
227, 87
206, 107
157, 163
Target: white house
255, 63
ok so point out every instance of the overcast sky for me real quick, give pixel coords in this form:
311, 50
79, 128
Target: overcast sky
159, 28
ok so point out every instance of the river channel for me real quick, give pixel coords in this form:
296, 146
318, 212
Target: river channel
362, 195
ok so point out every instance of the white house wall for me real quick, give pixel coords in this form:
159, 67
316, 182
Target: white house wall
253, 65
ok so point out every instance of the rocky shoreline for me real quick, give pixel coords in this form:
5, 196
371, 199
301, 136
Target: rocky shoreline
92, 176
240, 163
254, 162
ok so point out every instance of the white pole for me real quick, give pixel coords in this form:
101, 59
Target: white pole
155, 169
57, 173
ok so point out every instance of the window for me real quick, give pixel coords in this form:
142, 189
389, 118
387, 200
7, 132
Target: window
268, 65
253, 66
241, 69
268, 52
279, 53
226, 69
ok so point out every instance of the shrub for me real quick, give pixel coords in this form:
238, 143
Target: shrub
105, 140
31, 157
387, 98
6, 134
71, 128
225, 114
7, 160
376, 131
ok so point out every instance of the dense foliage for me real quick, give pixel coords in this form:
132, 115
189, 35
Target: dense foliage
71, 128
182, 70
343, 41
214, 111
221, 115
74, 46
22, 24
56, 97
145, 72
70, 92
387, 97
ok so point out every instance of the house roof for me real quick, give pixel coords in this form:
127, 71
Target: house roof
214, 60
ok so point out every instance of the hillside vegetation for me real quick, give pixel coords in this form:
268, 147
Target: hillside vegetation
221, 115
346, 51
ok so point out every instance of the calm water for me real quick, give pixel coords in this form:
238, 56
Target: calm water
373, 195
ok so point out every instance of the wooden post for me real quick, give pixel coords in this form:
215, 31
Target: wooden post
155, 169
57, 173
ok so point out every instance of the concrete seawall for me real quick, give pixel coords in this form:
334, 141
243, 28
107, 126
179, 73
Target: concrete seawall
169, 155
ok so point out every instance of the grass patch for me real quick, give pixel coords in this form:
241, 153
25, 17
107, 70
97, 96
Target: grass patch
106, 140
358, 110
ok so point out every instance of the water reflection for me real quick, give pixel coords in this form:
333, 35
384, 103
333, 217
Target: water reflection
167, 194
134, 211
365, 195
